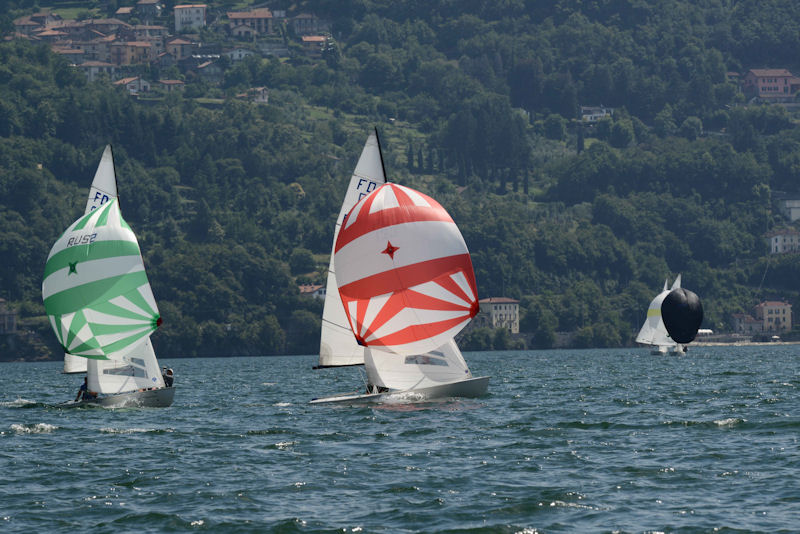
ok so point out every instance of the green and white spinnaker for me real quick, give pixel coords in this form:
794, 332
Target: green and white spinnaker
95, 288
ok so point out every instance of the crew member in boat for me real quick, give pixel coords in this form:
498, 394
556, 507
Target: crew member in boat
84, 391
169, 377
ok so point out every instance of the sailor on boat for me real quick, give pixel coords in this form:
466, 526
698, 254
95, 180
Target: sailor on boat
84, 391
168, 376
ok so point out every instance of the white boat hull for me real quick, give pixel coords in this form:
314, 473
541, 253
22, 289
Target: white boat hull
152, 398
473, 387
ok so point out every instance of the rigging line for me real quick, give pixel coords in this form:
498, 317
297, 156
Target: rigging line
336, 324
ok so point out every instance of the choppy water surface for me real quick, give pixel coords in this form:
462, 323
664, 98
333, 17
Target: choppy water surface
566, 441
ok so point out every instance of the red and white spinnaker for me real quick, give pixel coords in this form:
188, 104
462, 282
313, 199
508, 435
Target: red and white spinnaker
404, 272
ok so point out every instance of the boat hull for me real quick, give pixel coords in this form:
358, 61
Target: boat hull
473, 387
151, 398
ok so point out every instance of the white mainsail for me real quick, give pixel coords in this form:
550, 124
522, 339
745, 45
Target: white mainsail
103, 189
100, 303
653, 331
337, 345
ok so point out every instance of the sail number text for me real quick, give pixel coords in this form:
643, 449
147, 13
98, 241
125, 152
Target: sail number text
84, 239
368, 187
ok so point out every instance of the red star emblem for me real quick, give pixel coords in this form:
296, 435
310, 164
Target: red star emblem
390, 249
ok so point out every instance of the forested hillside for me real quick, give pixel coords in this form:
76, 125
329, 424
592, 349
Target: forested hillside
478, 104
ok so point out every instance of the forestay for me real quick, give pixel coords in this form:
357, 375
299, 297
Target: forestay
95, 289
103, 190
337, 345
404, 272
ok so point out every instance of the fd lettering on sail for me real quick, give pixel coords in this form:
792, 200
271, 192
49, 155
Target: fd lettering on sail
404, 272
365, 187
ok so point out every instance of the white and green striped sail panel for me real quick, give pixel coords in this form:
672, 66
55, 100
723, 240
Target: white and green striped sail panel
95, 288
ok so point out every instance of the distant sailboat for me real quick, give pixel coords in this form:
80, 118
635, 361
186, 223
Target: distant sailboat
103, 189
101, 308
405, 278
653, 331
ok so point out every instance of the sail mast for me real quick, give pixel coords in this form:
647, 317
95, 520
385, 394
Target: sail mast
380, 153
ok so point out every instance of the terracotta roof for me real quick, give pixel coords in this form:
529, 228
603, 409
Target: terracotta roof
772, 303
171, 82
762, 73
124, 11
262, 13
498, 300
95, 64
308, 288
179, 42
313, 38
782, 231
126, 81
189, 5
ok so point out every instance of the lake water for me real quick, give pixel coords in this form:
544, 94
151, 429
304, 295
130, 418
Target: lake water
565, 441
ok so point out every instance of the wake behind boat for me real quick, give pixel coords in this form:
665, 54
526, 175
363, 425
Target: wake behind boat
406, 285
101, 308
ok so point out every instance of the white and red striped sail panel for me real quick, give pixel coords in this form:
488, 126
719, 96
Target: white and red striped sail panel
404, 272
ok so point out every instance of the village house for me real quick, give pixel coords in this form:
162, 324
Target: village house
784, 240
96, 49
313, 44
149, 33
746, 324
243, 32
595, 113
189, 17
94, 69
169, 86
238, 54
210, 71
312, 290
34, 22
498, 312
770, 85
260, 20
124, 13
148, 9
131, 53
74, 56
791, 208
307, 24
180, 48
50, 35
775, 316
134, 85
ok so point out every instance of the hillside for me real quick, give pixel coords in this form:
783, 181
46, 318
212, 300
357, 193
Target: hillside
478, 104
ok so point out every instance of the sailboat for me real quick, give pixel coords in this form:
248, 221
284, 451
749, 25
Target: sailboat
405, 279
101, 307
654, 332
103, 189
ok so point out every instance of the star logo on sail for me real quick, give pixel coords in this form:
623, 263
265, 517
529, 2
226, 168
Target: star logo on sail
390, 249
72, 267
